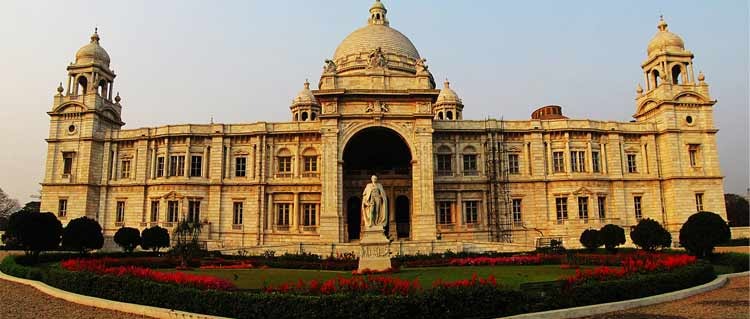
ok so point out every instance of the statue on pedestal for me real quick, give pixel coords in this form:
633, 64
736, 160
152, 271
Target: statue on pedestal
374, 205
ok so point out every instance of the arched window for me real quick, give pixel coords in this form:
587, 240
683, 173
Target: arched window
676, 73
309, 162
284, 163
470, 166
449, 115
312, 116
102, 88
82, 83
296, 117
304, 116
444, 161
655, 75
440, 115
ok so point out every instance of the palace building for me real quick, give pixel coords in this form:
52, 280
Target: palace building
487, 184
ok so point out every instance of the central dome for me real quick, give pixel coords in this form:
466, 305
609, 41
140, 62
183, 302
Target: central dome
373, 36
376, 34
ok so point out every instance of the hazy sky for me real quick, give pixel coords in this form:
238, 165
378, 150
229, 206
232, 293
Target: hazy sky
243, 61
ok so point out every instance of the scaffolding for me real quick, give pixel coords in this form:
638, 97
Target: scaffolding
499, 217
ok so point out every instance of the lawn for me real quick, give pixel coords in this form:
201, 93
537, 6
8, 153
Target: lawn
510, 276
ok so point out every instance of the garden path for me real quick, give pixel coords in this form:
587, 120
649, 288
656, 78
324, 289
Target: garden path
25, 302
729, 302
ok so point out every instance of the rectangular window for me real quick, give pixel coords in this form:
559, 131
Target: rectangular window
445, 164
470, 164
173, 211
693, 152
237, 208
125, 169
285, 164
194, 211
471, 212
561, 205
120, 216
240, 166
160, 166
282, 214
177, 165
196, 166
583, 208
513, 165
154, 211
595, 162
637, 207
444, 213
62, 208
632, 164
699, 202
558, 162
311, 164
516, 210
309, 214
68, 162
601, 201
577, 161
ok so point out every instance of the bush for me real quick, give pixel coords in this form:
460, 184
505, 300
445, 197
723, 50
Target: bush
154, 238
738, 261
702, 232
612, 236
33, 232
82, 234
649, 235
128, 238
590, 239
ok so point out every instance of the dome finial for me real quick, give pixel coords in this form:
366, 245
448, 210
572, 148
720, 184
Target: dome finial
447, 84
639, 89
95, 36
701, 76
118, 98
307, 84
60, 89
377, 14
662, 26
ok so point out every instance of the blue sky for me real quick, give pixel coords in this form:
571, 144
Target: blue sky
243, 61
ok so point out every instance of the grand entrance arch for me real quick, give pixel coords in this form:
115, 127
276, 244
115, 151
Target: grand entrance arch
383, 152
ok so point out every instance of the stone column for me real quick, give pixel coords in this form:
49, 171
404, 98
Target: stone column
424, 224
459, 211
204, 164
566, 154
188, 159
331, 228
590, 158
295, 214
154, 152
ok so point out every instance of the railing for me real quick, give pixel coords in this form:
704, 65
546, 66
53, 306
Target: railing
471, 173
282, 227
237, 227
310, 228
444, 173
283, 175
310, 174
446, 226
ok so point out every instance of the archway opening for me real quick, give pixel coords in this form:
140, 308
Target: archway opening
402, 217
382, 152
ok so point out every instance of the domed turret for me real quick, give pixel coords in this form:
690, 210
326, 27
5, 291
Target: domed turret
92, 52
305, 106
664, 40
448, 105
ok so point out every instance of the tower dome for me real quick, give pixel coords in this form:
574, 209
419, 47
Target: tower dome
447, 95
376, 34
665, 40
305, 97
92, 52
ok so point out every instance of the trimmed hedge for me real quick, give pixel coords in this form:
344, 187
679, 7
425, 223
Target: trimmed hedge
477, 302
738, 261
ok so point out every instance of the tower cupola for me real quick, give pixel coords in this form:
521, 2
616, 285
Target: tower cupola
448, 105
305, 106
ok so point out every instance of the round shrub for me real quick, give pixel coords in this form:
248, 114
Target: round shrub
612, 236
154, 238
702, 232
128, 238
33, 232
650, 235
82, 234
590, 239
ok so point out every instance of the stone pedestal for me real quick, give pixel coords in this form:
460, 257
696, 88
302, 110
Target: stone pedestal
375, 251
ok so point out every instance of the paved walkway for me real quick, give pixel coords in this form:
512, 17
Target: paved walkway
25, 302
729, 302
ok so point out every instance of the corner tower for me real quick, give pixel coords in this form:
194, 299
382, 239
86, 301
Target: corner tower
84, 113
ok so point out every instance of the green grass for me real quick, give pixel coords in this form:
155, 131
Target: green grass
510, 276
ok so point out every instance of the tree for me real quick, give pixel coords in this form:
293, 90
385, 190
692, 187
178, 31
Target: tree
590, 239
702, 232
8, 205
186, 234
83, 234
33, 232
612, 236
154, 238
738, 210
128, 238
649, 235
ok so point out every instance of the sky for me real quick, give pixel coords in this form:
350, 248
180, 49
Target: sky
243, 61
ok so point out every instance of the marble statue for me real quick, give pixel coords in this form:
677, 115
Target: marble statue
374, 205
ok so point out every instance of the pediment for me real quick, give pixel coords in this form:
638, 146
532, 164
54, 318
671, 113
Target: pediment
583, 191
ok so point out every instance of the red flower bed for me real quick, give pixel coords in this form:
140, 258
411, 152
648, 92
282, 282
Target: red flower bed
99, 266
355, 285
632, 264
474, 281
513, 260
367, 271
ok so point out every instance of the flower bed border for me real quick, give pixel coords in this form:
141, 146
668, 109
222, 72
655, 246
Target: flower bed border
435, 303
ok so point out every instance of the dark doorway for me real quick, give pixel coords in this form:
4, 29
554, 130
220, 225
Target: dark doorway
402, 217
353, 217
